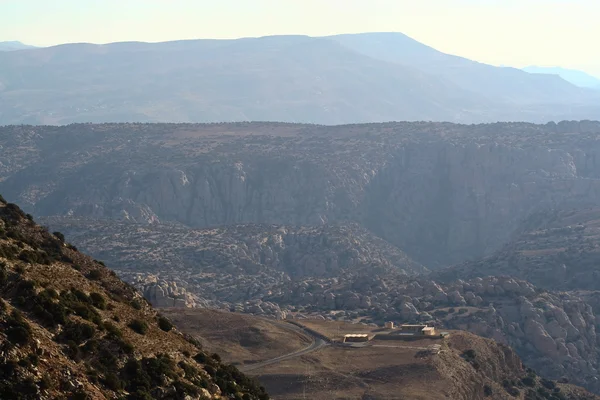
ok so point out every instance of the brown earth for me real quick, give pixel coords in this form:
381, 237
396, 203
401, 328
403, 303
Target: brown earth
237, 338
390, 369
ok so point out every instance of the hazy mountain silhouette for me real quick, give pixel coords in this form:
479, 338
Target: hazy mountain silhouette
14, 45
501, 83
284, 78
576, 77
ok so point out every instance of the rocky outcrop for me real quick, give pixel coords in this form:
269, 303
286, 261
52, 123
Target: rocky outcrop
441, 192
554, 249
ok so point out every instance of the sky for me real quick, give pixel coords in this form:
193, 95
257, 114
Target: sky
500, 32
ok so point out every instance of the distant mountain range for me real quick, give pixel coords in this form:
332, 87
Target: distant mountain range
14, 45
327, 80
578, 78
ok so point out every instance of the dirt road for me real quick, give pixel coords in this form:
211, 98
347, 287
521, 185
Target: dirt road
316, 343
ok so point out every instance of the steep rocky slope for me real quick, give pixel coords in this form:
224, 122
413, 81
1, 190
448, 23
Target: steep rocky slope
71, 329
554, 249
442, 193
234, 263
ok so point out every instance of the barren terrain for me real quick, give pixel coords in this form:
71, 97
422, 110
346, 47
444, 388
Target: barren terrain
383, 369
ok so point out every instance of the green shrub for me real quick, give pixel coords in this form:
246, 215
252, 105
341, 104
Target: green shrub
164, 324
80, 295
45, 382
72, 351
136, 304
469, 354
112, 381
113, 330
487, 391
201, 358
94, 275
528, 381
77, 332
138, 326
98, 300
59, 236
18, 331
548, 384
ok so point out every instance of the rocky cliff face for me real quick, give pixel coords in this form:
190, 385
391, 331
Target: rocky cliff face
443, 193
175, 265
557, 249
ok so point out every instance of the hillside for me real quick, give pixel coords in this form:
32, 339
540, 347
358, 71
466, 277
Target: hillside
326, 80
467, 367
578, 78
71, 329
500, 83
233, 264
555, 249
14, 45
288, 78
442, 193
555, 333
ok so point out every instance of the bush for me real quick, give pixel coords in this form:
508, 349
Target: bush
201, 358
77, 332
112, 382
164, 324
528, 381
469, 354
18, 331
463, 310
548, 384
113, 330
94, 275
513, 391
136, 304
98, 300
487, 391
59, 236
45, 382
138, 326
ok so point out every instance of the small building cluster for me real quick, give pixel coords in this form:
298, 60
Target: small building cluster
416, 330
356, 337
391, 332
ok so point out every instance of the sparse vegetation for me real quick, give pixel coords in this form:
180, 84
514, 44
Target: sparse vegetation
41, 294
164, 324
17, 329
138, 326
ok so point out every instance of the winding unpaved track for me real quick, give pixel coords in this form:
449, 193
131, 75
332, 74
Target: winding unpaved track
316, 344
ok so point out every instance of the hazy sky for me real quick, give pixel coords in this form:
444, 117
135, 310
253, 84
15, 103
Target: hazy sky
511, 32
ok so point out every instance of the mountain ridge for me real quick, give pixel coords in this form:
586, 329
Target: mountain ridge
576, 77
326, 80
